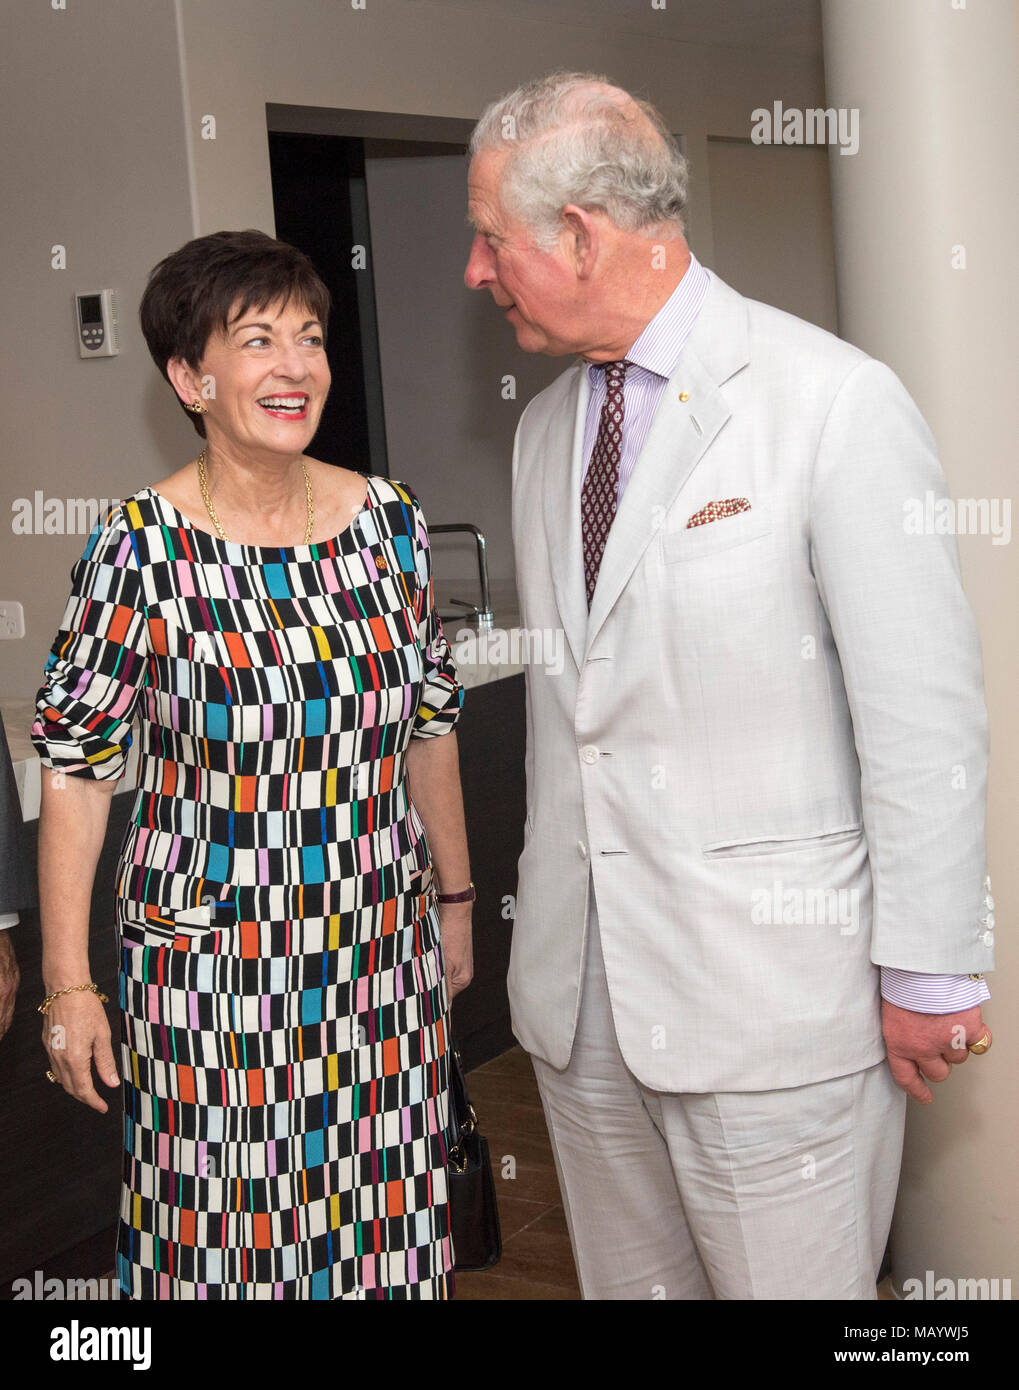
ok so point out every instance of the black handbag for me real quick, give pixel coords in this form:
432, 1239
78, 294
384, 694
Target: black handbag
473, 1214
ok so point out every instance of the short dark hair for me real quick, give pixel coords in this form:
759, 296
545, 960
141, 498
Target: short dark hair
191, 293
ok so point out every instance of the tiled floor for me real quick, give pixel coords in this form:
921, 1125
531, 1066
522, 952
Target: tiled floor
537, 1262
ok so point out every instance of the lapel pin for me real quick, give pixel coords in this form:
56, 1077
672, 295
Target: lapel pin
684, 396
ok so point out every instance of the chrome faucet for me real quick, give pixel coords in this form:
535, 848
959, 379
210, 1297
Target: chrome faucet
483, 615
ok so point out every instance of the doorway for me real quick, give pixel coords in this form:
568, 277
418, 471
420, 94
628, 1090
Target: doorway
320, 201
321, 207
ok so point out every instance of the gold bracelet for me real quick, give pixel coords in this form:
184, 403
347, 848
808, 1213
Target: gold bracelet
71, 989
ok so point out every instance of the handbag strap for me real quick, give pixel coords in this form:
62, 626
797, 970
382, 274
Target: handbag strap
463, 1119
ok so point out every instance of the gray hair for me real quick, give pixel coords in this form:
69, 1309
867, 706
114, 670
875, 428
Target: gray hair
572, 140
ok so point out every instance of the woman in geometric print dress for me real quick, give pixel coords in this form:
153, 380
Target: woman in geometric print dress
285, 983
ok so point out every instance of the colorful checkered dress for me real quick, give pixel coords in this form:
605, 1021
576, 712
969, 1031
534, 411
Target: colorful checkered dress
282, 989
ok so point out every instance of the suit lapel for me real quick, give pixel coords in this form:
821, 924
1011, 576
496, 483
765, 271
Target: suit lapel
564, 440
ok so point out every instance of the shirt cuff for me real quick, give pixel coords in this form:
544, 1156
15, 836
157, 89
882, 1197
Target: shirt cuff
932, 994
8, 919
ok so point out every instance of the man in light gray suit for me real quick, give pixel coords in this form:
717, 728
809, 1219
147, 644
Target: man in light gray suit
753, 909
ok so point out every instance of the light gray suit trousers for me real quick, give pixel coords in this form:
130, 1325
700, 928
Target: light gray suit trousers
782, 1194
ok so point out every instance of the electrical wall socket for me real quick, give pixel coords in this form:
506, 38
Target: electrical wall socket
12, 619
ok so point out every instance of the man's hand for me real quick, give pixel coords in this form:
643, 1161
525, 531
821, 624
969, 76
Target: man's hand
927, 1045
9, 978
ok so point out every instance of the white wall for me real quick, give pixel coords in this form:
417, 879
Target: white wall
772, 229
93, 158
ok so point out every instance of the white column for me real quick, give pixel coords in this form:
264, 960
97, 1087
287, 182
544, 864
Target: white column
925, 241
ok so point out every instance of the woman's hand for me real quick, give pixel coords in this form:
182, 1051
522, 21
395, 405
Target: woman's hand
457, 945
72, 825
75, 1033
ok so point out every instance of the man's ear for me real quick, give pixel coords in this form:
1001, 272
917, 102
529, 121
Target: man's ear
184, 380
582, 239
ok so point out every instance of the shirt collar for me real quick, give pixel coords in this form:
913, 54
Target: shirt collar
658, 348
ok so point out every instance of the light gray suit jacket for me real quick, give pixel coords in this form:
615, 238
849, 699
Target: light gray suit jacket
768, 743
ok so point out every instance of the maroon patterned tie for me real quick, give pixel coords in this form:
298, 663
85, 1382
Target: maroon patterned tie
598, 495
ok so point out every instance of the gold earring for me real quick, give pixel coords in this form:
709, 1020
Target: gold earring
196, 407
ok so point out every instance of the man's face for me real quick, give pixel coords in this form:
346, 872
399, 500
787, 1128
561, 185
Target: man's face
537, 289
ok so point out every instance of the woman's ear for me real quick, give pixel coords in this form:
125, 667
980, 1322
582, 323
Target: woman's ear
184, 380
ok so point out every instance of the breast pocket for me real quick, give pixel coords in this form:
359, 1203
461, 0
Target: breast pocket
719, 583
688, 543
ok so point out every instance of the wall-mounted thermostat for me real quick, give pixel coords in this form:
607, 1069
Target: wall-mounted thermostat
12, 619
96, 319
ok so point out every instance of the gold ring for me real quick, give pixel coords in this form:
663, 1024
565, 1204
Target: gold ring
979, 1048
50, 1076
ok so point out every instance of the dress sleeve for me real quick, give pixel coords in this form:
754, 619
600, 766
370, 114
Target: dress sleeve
442, 695
97, 666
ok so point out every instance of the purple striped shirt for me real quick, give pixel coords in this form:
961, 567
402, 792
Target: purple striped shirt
653, 359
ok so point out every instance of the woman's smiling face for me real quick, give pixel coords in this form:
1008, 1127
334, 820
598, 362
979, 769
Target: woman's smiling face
270, 378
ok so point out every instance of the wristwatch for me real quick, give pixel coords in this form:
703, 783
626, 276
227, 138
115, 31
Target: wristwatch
467, 896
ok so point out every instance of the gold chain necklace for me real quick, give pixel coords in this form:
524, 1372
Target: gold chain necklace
203, 483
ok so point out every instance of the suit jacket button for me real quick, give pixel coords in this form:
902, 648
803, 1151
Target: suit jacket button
582, 849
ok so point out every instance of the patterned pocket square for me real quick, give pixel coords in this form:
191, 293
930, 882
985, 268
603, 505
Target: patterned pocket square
714, 511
